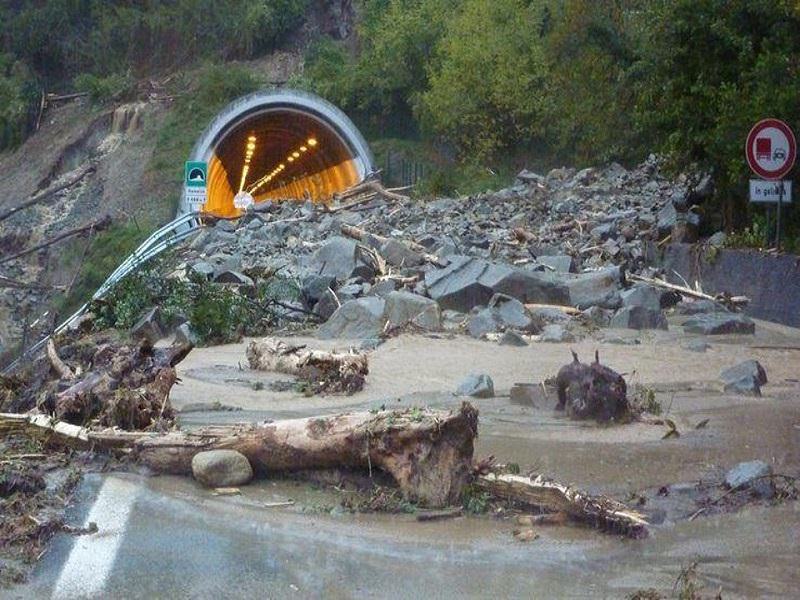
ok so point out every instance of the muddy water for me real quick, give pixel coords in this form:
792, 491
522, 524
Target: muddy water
752, 553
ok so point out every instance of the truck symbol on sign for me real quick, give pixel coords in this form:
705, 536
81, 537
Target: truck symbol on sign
763, 148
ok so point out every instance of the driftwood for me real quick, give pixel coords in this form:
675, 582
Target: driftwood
324, 371
591, 391
97, 225
128, 387
64, 372
427, 452
371, 186
567, 310
551, 496
361, 235
36, 198
732, 301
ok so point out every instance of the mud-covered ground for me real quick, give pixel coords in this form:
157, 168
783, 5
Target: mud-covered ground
182, 540
747, 550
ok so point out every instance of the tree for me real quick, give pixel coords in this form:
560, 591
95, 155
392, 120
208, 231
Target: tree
487, 83
710, 69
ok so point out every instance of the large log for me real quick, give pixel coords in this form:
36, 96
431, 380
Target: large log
551, 496
325, 371
427, 452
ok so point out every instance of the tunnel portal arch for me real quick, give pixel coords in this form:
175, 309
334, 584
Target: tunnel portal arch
279, 144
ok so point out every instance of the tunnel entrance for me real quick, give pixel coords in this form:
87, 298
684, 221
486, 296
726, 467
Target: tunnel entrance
279, 145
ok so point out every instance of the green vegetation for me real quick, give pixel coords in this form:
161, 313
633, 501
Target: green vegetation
483, 88
574, 82
104, 47
218, 314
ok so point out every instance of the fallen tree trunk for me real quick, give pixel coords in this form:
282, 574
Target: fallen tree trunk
732, 301
36, 198
427, 452
325, 371
97, 225
551, 496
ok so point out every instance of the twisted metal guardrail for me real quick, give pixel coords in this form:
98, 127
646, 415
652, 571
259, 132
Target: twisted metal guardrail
160, 240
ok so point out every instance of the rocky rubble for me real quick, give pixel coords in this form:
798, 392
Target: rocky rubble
487, 264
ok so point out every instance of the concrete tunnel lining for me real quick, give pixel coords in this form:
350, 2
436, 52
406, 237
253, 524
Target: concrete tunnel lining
283, 119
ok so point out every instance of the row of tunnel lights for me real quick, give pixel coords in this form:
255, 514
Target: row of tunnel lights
250, 148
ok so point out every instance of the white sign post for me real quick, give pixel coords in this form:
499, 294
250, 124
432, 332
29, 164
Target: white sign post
770, 191
771, 150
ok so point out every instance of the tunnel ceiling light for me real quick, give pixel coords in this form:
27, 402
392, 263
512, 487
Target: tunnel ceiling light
251, 146
296, 154
303, 149
252, 138
312, 142
290, 159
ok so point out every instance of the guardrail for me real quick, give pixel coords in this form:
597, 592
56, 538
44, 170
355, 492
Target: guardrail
160, 240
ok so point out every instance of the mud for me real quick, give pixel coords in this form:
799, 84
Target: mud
749, 552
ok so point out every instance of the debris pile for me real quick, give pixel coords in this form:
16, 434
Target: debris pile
548, 256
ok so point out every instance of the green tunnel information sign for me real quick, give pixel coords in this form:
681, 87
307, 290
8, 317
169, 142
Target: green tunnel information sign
194, 181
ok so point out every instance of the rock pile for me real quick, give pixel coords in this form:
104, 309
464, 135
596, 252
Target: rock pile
491, 263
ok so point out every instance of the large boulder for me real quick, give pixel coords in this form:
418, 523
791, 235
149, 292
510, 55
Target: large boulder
398, 254
745, 378
339, 257
149, 326
404, 307
638, 317
511, 312
356, 319
477, 386
556, 334
468, 282
221, 468
483, 321
597, 288
642, 296
719, 324
754, 474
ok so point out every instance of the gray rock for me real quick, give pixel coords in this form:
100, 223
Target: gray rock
512, 312
184, 335
476, 386
717, 240
512, 338
356, 319
221, 468
719, 324
226, 226
547, 315
234, 277
404, 307
314, 286
751, 475
339, 258
326, 305
745, 378
527, 394
643, 296
149, 326
698, 307
599, 317
560, 264
638, 317
482, 322
398, 254
696, 346
468, 282
597, 288
202, 269
382, 288
452, 320
556, 334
